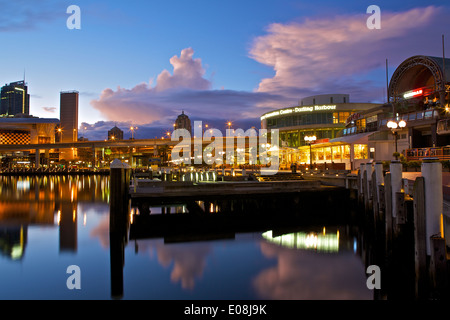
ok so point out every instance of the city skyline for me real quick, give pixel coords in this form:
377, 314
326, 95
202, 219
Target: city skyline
143, 63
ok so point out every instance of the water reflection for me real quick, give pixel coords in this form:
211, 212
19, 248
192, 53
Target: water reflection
48, 223
303, 240
187, 261
45, 201
311, 275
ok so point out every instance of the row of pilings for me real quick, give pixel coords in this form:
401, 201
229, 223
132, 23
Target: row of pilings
404, 230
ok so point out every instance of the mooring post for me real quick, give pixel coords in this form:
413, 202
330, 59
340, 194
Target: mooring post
378, 168
421, 278
432, 174
362, 169
388, 216
435, 242
117, 225
438, 266
396, 183
369, 170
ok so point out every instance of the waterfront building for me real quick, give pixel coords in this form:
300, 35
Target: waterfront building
15, 99
24, 130
418, 95
321, 116
183, 122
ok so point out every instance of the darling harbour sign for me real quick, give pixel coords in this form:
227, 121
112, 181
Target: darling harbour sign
297, 110
252, 147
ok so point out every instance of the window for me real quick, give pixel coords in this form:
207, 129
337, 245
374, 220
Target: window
343, 116
335, 118
360, 151
336, 152
346, 153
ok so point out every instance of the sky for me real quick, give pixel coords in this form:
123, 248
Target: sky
141, 63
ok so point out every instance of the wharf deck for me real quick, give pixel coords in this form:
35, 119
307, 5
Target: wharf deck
157, 189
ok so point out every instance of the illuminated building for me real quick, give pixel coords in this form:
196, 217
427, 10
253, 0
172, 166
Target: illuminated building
23, 131
419, 95
27, 130
322, 116
15, 99
69, 122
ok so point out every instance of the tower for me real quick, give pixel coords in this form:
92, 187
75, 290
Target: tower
69, 116
15, 99
183, 122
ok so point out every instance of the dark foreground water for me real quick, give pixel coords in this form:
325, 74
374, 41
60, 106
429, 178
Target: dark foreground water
50, 223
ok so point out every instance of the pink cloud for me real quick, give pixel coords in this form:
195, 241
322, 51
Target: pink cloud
187, 73
308, 275
315, 56
326, 54
185, 89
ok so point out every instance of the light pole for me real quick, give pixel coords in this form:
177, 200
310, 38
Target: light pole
309, 140
132, 132
394, 125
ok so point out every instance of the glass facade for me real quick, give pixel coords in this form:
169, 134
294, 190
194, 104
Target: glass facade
308, 119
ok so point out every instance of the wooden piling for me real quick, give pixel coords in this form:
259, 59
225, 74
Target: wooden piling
421, 279
432, 173
120, 176
438, 266
388, 214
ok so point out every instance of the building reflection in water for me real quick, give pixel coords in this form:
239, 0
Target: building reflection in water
45, 201
311, 266
302, 240
13, 240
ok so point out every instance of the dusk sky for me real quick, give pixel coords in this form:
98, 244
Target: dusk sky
143, 62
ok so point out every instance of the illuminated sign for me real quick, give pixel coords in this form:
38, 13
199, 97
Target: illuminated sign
20, 89
298, 110
318, 108
413, 93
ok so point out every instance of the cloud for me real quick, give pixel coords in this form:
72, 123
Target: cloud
187, 263
49, 109
185, 89
319, 55
20, 15
308, 275
326, 55
187, 73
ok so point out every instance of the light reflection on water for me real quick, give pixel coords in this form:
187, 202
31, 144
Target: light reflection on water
49, 223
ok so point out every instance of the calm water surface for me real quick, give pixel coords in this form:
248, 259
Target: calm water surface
50, 223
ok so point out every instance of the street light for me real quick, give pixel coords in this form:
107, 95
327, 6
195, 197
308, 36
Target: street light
309, 140
132, 132
394, 126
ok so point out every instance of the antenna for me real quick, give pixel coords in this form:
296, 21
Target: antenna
387, 83
443, 61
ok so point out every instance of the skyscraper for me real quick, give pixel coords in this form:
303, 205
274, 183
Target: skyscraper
69, 116
15, 99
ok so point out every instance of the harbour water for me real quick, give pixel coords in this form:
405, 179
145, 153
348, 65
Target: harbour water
52, 222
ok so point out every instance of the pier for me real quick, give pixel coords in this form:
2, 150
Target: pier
406, 227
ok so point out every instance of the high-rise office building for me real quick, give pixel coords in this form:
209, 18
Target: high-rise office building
15, 99
69, 116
